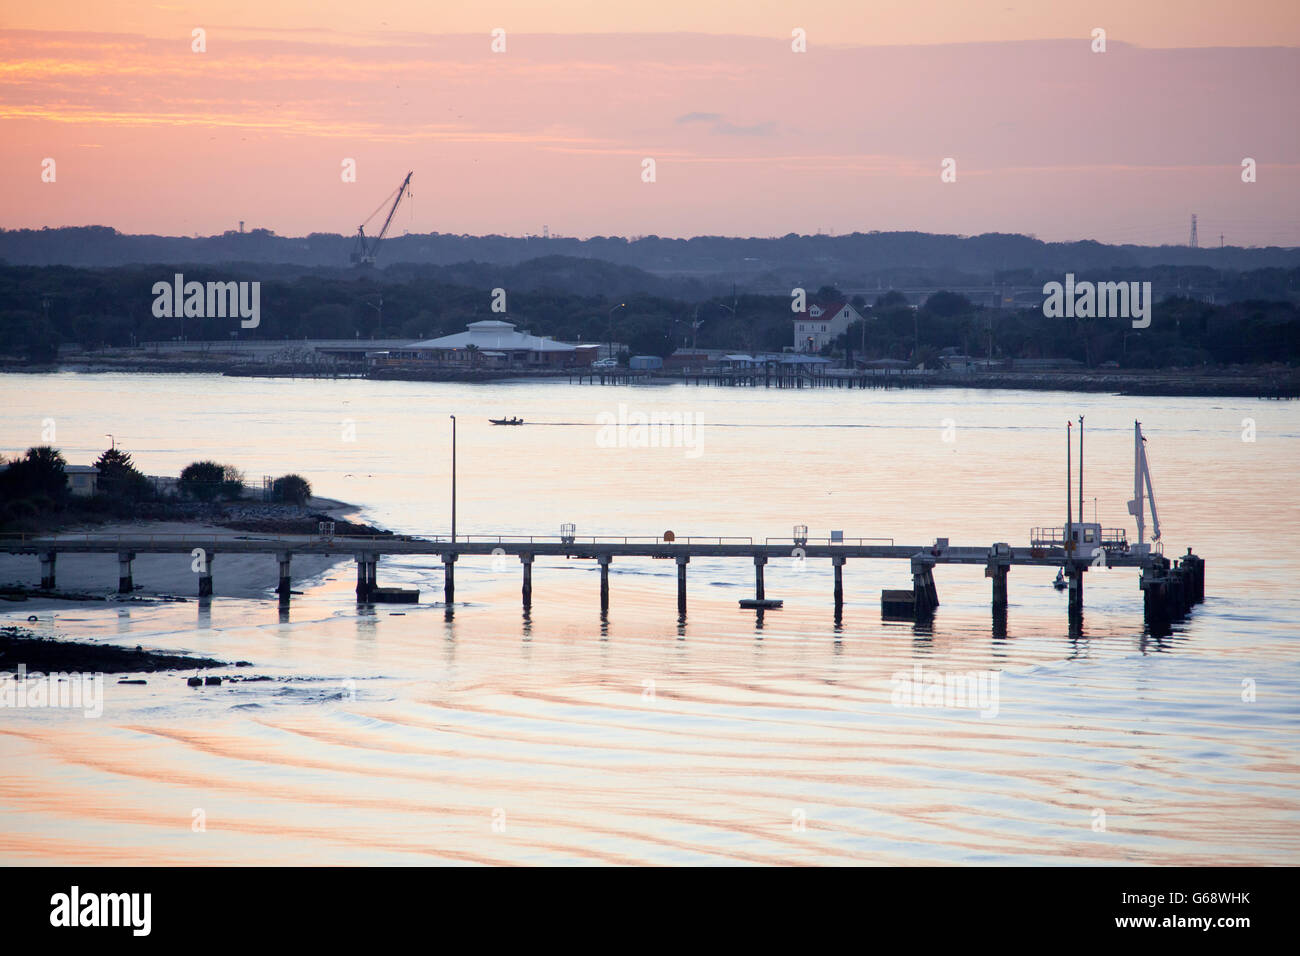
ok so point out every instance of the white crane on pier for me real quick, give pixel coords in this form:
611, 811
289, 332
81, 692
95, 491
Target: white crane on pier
1141, 478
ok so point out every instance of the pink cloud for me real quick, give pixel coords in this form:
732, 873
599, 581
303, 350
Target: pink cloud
748, 138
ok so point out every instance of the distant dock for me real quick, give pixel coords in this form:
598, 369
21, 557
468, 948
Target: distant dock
1263, 384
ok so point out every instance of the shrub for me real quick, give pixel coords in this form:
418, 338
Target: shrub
39, 472
202, 480
119, 479
291, 489
17, 511
95, 504
232, 482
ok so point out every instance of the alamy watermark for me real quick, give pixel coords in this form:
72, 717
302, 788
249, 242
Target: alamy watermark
130, 910
83, 692
637, 429
1098, 300
972, 690
210, 300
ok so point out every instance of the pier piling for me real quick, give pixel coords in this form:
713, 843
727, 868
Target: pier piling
48, 559
367, 577
527, 561
1196, 570
926, 594
759, 561
682, 561
838, 563
205, 576
999, 574
603, 560
284, 585
449, 579
124, 583
1075, 582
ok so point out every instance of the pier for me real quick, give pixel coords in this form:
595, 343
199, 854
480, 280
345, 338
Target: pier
1170, 588
761, 375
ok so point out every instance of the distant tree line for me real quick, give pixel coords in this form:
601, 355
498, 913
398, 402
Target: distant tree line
43, 308
783, 257
1183, 333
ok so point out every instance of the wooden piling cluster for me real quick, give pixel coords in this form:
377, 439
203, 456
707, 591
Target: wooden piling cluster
1172, 588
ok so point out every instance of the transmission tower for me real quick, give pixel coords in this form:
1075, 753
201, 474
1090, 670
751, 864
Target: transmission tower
1192, 241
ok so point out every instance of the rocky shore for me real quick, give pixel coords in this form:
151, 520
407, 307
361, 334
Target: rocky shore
261, 516
19, 648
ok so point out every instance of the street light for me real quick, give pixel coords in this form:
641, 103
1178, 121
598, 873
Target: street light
380, 309
621, 305
453, 477
749, 333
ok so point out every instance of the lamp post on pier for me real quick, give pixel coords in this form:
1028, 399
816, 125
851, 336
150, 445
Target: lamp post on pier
453, 478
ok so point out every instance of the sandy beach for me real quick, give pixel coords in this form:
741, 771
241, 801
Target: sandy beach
234, 574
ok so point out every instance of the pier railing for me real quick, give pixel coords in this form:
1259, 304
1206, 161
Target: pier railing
588, 539
1112, 539
173, 538
800, 542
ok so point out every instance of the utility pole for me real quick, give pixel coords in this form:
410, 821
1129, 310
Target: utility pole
453, 478
379, 332
621, 305
1069, 499
1081, 470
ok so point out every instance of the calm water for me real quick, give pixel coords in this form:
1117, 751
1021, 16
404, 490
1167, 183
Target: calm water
396, 736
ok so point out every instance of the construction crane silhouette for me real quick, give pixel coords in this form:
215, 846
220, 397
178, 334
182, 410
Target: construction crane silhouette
367, 247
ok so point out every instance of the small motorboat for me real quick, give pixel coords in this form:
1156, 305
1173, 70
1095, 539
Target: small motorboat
1059, 583
506, 421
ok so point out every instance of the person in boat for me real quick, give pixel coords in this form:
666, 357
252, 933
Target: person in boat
1059, 583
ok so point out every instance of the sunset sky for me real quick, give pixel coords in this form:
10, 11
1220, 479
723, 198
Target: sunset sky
748, 136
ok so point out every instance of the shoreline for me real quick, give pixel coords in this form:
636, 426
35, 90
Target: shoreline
1270, 382
23, 652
